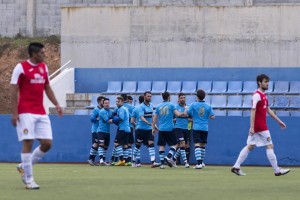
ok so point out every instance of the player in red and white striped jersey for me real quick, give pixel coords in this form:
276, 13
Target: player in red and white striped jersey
28, 83
259, 134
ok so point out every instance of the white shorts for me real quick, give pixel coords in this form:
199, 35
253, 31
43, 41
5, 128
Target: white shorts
260, 139
33, 126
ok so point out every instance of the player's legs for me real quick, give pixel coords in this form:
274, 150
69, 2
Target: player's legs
94, 149
187, 145
200, 139
161, 143
101, 140
150, 139
129, 147
140, 137
119, 143
181, 144
25, 168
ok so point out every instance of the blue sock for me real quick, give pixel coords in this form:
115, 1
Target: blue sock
177, 155
151, 152
162, 156
125, 153
119, 152
171, 152
101, 152
202, 149
129, 158
93, 153
198, 155
104, 153
183, 154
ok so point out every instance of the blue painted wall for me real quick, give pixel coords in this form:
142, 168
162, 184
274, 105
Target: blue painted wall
227, 135
100, 76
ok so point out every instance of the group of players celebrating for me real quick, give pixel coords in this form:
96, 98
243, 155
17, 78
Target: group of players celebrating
171, 121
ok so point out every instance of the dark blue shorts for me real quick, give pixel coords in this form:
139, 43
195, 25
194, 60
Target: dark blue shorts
94, 138
182, 135
130, 137
166, 137
143, 136
200, 136
121, 137
104, 138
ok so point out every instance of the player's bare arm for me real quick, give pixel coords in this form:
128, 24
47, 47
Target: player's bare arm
274, 116
51, 96
154, 127
252, 119
212, 117
144, 120
14, 91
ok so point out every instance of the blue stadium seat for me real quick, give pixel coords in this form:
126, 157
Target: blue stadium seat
246, 113
295, 87
94, 103
207, 99
283, 113
159, 86
112, 99
271, 100
281, 102
249, 87
174, 99
174, 86
218, 101
114, 87
281, 87
189, 87
235, 113
235, 87
234, 101
295, 114
271, 87
81, 112
247, 101
204, 85
295, 102
219, 87
144, 86
220, 113
190, 99
156, 99
129, 87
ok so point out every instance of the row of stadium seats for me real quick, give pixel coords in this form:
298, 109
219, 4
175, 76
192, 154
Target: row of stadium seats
218, 112
189, 87
221, 101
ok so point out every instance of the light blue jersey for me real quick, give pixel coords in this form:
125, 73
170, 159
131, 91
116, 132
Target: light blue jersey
123, 114
165, 113
104, 116
200, 111
95, 119
147, 112
130, 109
135, 114
181, 122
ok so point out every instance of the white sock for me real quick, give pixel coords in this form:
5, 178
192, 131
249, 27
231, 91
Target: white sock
37, 155
242, 157
27, 166
273, 160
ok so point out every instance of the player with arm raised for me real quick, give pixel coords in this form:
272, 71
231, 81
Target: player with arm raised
28, 83
259, 134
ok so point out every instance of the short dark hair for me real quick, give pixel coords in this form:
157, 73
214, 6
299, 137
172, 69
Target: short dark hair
141, 99
165, 96
106, 99
34, 47
129, 98
201, 95
120, 98
100, 98
261, 77
124, 96
181, 94
147, 92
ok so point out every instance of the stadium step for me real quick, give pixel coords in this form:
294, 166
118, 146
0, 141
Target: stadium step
66, 110
81, 96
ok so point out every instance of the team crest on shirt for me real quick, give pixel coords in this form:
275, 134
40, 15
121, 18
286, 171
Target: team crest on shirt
25, 131
41, 70
268, 139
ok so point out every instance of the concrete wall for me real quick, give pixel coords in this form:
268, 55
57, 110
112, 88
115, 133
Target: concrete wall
72, 141
260, 36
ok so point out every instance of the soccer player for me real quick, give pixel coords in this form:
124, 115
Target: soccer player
103, 131
136, 162
181, 130
259, 134
28, 83
130, 99
164, 113
95, 124
128, 149
201, 112
121, 140
144, 132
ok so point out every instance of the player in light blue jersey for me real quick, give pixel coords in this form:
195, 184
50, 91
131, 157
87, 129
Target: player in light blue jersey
128, 150
164, 114
95, 124
201, 112
181, 131
121, 140
136, 159
144, 132
103, 131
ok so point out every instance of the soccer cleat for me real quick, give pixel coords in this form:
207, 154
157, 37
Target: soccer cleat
128, 164
203, 165
198, 166
32, 186
112, 163
155, 165
138, 165
282, 172
106, 164
171, 163
186, 165
237, 171
91, 162
162, 167
21, 171
101, 162
120, 163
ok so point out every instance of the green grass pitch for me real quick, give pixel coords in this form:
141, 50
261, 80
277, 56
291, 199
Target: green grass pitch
80, 181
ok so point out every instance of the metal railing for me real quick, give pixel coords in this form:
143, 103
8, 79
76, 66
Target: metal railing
59, 69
